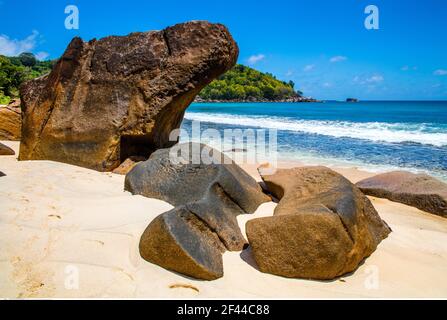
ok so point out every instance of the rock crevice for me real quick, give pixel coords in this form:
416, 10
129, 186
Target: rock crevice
208, 198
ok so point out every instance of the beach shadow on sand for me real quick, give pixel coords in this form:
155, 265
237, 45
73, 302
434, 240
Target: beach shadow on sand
2, 174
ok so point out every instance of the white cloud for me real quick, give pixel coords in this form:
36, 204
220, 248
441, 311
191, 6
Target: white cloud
406, 68
255, 58
338, 59
327, 85
14, 47
309, 67
42, 55
289, 73
440, 72
374, 79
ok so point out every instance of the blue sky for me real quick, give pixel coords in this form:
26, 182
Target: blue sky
321, 45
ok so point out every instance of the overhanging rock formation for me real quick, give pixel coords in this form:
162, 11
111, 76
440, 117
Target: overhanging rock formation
110, 99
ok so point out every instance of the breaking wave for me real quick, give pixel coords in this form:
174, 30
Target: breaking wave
422, 133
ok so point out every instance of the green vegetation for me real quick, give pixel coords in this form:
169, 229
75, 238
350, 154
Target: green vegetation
239, 83
244, 83
15, 70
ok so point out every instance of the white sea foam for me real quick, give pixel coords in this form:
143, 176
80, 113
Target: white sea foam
374, 131
308, 158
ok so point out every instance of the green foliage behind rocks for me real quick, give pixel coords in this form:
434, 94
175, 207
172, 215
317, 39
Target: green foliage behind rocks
15, 70
241, 83
247, 84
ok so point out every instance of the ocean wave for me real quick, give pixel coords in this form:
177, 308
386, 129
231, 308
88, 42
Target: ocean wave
422, 133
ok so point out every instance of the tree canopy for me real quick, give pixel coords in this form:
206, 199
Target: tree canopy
15, 70
239, 83
245, 83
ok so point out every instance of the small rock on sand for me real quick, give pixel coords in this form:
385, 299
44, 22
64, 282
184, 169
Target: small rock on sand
6, 151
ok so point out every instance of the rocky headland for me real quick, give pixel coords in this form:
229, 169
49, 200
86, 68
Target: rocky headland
291, 99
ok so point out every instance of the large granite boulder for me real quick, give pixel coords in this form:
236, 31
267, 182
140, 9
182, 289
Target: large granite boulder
187, 172
322, 227
10, 121
6, 151
121, 96
208, 192
179, 240
417, 190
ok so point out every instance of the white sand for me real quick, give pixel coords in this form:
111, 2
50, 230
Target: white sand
59, 223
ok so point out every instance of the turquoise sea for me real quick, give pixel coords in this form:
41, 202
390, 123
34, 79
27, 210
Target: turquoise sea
372, 135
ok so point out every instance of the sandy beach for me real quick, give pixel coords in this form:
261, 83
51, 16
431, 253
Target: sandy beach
70, 232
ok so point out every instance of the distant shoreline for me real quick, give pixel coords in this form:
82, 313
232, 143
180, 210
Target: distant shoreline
312, 100
291, 100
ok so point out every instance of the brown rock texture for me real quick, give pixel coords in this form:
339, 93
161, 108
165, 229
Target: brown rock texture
6, 151
127, 165
11, 121
121, 96
180, 241
208, 196
323, 226
418, 190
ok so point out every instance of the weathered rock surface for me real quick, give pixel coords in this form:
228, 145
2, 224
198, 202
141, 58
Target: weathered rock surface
6, 151
323, 226
109, 99
128, 164
208, 195
196, 169
11, 121
418, 190
178, 240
